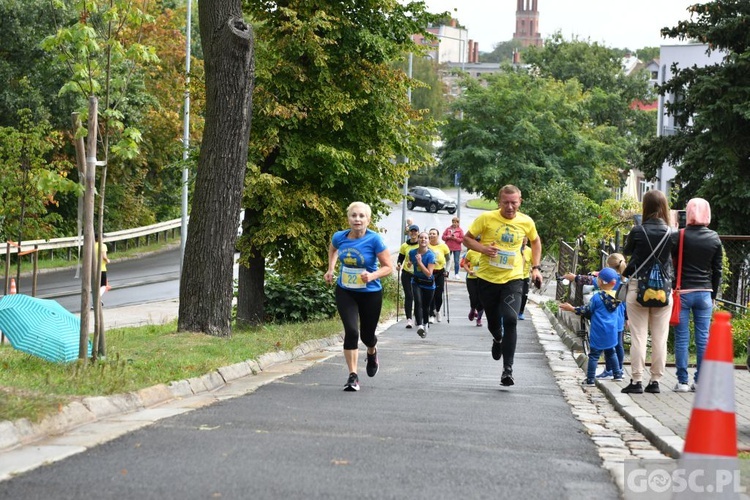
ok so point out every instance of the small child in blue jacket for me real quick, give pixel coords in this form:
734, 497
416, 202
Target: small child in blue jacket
603, 313
617, 262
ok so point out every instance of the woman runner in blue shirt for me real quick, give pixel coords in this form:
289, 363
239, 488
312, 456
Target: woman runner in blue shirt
362, 259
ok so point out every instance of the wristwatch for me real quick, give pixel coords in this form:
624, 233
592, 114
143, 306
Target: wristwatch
536, 267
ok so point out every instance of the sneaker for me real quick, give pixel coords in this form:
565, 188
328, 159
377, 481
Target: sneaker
409, 323
421, 331
521, 317
617, 377
497, 349
372, 364
439, 316
693, 386
633, 388
472, 314
653, 387
507, 377
681, 387
432, 320
352, 384
605, 375
589, 382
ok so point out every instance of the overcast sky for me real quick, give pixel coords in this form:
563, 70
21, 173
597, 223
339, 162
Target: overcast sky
632, 24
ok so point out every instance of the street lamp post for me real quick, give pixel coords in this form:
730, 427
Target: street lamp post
461, 59
406, 179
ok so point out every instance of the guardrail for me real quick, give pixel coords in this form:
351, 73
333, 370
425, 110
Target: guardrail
74, 241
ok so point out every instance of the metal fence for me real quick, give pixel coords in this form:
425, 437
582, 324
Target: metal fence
735, 294
70, 246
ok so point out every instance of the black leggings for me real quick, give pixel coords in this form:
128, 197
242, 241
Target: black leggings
524, 295
501, 304
359, 307
408, 293
471, 287
437, 298
422, 300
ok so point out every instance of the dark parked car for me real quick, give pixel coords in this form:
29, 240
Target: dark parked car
431, 199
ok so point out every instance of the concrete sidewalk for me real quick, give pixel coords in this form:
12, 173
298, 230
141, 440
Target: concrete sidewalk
663, 417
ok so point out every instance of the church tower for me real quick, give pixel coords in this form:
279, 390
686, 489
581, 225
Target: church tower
527, 23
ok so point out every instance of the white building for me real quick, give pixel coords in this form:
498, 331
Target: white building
685, 56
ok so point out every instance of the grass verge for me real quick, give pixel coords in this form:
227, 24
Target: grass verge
142, 357
138, 357
482, 204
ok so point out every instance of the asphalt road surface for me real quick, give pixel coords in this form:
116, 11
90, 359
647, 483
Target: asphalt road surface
433, 424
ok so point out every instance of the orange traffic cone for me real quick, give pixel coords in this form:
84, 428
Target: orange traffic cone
711, 440
12, 286
712, 430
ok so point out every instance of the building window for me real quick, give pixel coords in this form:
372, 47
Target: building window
643, 187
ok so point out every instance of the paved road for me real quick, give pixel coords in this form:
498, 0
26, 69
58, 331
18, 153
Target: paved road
434, 423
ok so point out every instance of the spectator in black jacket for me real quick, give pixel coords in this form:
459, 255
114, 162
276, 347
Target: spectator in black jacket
644, 320
701, 278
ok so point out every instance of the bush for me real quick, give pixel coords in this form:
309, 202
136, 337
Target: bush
740, 334
307, 299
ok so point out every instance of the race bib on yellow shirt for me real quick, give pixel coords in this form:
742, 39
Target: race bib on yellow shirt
503, 260
351, 277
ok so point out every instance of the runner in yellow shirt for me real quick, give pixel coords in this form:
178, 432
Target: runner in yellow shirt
408, 271
500, 271
443, 254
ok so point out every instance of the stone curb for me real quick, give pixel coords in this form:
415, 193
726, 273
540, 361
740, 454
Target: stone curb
23, 431
663, 438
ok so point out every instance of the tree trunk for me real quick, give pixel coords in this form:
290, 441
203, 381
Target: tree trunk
251, 297
206, 281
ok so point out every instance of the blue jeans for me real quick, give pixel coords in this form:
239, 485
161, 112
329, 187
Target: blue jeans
701, 305
456, 261
610, 359
620, 352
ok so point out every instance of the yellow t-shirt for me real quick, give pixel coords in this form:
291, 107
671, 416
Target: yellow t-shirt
526, 261
472, 257
405, 249
442, 253
96, 253
507, 235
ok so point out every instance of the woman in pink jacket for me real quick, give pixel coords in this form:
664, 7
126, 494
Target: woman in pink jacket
453, 236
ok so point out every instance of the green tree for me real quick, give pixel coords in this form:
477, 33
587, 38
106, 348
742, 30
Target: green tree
502, 52
31, 77
32, 173
529, 131
98, 42
206, 283
611, 93
647, 54
709, 149
331, 121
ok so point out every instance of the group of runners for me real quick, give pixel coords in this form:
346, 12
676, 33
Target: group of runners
497, 236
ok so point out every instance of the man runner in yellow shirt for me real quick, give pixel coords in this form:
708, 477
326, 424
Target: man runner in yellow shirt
500, 271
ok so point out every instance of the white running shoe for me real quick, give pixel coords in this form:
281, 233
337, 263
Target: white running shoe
421, 331
681, 388
431, 320
409, 323
439, 317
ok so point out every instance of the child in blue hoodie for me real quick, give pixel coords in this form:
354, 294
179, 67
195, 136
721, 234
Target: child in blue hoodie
617, 262
603, 313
